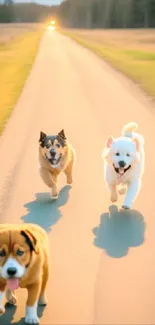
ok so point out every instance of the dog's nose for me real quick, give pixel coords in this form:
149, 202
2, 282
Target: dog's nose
122, 163
53, 153
11, 271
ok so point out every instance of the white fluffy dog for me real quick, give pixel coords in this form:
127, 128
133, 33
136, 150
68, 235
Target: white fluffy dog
124, 164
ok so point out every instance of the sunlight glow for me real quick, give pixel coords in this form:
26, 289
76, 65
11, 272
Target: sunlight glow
51, 27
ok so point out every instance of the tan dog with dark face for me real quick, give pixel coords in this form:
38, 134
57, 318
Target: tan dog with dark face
56, 155
24, 264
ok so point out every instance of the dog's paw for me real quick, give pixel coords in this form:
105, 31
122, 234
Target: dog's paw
122, 190
126, 207
2, 310
42, 300
54, 197
114, 197
31, 320
10, 297
69, 180
54, 194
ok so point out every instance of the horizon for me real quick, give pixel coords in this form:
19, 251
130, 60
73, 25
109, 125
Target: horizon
43, 2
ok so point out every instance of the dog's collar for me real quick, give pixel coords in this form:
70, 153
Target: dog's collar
125, 170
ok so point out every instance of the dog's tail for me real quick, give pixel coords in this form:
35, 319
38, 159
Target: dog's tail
129, 129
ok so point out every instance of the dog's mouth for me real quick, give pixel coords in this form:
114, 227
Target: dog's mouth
121, 170
53, 161
13, 283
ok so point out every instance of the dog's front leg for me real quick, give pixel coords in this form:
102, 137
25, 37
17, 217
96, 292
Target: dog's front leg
133, 189
32, 303
50, 180
2, 309
113, 193
2, 291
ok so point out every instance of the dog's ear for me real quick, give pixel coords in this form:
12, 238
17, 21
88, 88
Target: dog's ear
61, 134
137, 144
42, 136
109, 142
30, 240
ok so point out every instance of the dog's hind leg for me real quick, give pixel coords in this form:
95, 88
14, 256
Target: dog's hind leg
68, 172
10, 297
42, 299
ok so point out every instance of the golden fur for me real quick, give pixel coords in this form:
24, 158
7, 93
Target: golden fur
36, 260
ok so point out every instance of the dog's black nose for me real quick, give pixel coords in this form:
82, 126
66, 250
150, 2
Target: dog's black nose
122, 163
53, 153
11, 271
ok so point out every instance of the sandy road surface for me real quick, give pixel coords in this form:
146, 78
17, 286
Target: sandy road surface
105, 277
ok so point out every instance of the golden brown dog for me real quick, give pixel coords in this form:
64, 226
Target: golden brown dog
56, 155
24, 264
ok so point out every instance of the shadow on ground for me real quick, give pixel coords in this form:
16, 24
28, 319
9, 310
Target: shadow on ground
8, 316
119, 230
45, 212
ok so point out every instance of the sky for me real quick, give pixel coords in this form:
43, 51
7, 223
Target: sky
46, 2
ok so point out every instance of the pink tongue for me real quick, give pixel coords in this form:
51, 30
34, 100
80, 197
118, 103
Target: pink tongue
13, 284
121, 171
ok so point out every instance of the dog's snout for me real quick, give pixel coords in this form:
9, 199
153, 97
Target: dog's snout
122, 163
11, 271
53, 153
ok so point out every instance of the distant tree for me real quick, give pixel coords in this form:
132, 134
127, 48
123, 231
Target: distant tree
6, 11
108, 13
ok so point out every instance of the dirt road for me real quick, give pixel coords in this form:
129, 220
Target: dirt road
98, 276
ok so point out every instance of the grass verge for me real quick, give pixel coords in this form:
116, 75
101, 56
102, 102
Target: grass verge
136, 63
16, 59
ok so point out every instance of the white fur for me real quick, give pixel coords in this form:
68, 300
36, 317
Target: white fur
2, 309
57, 156
31, 314
56, 165
127, 149
12, 262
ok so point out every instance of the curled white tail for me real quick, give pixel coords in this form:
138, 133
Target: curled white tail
129, 129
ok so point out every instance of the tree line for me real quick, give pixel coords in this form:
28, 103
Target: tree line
108, 13
24, 12
84, 13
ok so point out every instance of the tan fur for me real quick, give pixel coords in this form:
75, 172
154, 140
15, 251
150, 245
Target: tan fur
50, 174
36, 276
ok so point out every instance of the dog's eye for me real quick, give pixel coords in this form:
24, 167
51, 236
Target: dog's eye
117, 154
128, 155
48, 145
58, 145
2, 253
19, 252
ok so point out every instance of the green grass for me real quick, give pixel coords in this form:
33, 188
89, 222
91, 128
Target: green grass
138, 64
16, 59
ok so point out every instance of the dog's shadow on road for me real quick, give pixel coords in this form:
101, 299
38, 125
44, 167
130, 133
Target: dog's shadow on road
44, 211
119, 230
10, 310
